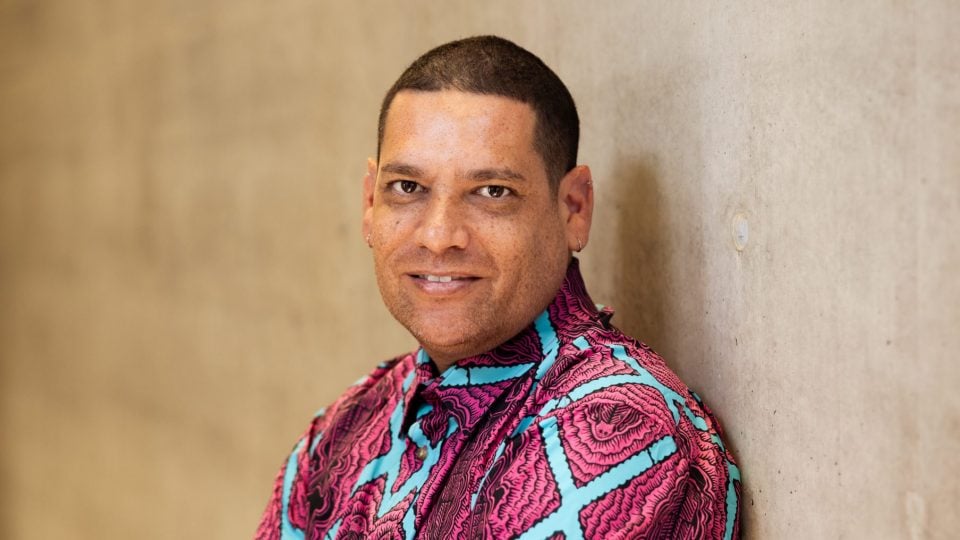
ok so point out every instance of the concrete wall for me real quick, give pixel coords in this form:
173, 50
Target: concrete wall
183, 281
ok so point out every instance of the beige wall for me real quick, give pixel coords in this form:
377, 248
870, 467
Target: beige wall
183, 281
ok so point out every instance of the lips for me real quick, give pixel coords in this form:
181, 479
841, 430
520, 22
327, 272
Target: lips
442, 284
439, 279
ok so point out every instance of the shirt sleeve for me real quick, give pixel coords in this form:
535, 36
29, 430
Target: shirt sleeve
671, 500
638, 471
614, 464
286, 514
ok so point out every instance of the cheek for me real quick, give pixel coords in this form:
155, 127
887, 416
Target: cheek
504, 239
520, 247
389, 227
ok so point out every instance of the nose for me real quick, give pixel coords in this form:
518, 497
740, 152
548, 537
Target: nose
443, 225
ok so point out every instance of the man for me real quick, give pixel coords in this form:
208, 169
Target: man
524, 413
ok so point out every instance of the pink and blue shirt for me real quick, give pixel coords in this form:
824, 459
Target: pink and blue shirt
570, 429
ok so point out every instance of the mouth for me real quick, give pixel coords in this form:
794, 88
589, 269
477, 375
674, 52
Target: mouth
442, 284
441, 279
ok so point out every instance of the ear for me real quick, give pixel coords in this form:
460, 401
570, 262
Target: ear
369, 185
575, 194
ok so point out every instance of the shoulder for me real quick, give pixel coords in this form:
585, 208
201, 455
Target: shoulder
325, 436
615, 417
606, 370
610, 397
607, 382
370, 392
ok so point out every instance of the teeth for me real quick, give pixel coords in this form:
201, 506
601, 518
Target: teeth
439, 279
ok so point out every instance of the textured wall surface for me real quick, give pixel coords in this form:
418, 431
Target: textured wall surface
183, 281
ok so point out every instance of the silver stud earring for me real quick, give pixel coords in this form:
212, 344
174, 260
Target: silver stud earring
368, 241
579, 245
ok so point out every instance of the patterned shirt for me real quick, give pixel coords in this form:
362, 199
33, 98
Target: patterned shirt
568, 430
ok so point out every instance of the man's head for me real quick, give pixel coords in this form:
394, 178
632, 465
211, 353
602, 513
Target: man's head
471, 237
494, 66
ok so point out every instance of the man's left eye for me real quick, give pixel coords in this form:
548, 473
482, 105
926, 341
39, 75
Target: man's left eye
494, 192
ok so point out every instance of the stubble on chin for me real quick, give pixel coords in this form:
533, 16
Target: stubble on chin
447, 337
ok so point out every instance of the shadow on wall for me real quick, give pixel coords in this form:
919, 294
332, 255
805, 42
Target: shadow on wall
641, 280
655, 271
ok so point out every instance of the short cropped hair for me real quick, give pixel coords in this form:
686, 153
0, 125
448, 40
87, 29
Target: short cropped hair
496, 66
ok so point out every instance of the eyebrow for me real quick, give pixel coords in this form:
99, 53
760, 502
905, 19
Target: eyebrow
505, 173
402, 169
479, 175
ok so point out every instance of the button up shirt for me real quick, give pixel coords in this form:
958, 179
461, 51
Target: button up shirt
570, 429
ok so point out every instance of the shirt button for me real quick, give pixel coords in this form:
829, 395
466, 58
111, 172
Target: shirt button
421, 452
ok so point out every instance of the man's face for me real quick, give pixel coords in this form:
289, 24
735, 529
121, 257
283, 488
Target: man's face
470, 243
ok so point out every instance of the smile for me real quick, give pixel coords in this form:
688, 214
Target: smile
443, 285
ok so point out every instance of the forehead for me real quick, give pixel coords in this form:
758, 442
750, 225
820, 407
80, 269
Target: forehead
451, 124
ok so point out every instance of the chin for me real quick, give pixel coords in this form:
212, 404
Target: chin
445, 345
441, 340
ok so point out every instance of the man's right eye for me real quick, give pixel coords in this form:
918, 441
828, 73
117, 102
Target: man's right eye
405, 186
